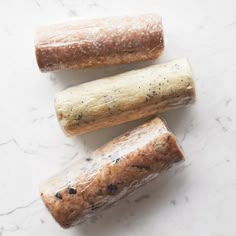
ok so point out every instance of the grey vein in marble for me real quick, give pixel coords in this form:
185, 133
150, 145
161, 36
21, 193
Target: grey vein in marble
228, 101
13, 228
218, 120
43, 118
74, 156
18, 145
19, 207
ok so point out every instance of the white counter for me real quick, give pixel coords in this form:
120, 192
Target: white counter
197, 198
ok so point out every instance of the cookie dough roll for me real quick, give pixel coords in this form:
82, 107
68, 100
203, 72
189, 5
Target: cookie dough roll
125, 97
111, 172
99, 42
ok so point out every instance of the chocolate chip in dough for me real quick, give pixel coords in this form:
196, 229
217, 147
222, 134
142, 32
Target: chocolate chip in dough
72, 191
117, 160
112, 189
58, 195
115, 157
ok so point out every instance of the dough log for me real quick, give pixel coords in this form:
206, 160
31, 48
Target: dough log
125, 97
110, 173
99, 42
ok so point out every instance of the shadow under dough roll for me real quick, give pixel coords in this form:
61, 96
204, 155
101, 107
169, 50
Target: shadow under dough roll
125, 97
111, 172
99, 42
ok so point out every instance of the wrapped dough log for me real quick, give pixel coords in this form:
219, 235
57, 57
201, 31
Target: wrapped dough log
111, 172
99, 42
125, 97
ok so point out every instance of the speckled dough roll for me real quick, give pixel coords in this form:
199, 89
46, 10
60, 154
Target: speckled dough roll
111, 172
125, 97
99, 42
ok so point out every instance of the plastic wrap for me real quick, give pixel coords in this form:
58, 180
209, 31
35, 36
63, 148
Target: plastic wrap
111, 172
99, 42
125, 97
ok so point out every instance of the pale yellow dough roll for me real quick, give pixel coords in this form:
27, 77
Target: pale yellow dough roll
125, 97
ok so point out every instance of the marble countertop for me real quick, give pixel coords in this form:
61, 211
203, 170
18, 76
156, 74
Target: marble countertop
196, 198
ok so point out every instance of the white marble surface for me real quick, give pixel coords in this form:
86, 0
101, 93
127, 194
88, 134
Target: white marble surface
197, 198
